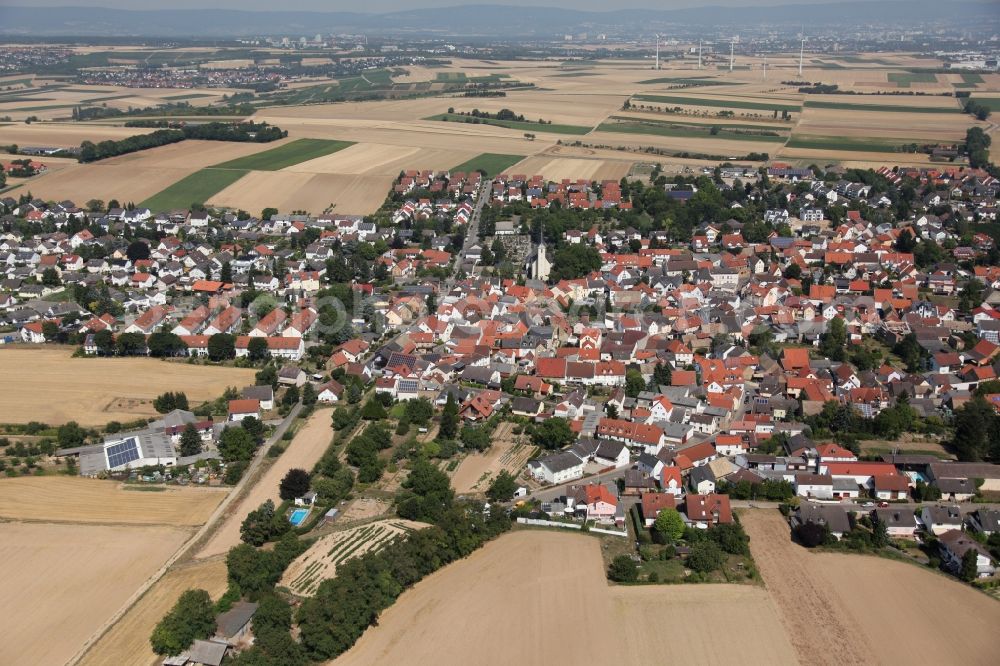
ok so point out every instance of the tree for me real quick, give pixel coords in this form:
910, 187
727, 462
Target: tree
669, 524
553, 433
190, 441
267, 213
164, 344
291, 396
236, 444
50, 277
977, 430
268, 375
257, 349
574, 261
50, 330
428, 493
192, 617
130, 344
221, 347
449, 418
226, 272
969, 570
373, 411
475, 437
431, 302
731, 538
880, 533
662, 374
137, 251
502, 488
262, 525
295, 484
812, 535
705, 556
309, 396
254, 427
335, 487
623, 569
834, 341
70, 435
905, 242
634, 383
169, 401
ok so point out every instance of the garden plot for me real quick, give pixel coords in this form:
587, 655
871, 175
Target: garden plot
320, 562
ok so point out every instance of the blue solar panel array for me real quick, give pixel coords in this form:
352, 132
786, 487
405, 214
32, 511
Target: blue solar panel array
123, 453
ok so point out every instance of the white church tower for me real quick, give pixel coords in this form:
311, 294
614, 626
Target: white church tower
542, 267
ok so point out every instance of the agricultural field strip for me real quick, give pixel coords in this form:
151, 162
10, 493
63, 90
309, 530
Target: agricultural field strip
702, 131
491, 163
718, 102
553, 128
888, 108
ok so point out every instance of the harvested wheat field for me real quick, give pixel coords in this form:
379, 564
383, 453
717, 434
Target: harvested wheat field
64, 581
286, 190
54, 387
558, 168
77, 500
127, 642
375, 158
303, 452
536, 596
320, 562
63, 135
853, 609
509, 452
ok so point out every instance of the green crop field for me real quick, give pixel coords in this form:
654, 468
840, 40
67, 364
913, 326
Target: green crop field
296, 152
972, 77
174, 98
860, 145
450, 76
889, 108
904, 79
687, 82
199, 187
526, 126
718, 103
991, 103
689, 130
491, 163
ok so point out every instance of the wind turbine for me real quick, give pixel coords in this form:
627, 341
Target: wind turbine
802, 49
732, 51
765, 66
657, 52
699, 54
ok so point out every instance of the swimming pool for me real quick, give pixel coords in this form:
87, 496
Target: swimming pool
298, 516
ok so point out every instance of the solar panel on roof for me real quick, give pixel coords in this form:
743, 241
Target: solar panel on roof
123, 453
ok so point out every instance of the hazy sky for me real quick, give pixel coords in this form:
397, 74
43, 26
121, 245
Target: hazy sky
391, 5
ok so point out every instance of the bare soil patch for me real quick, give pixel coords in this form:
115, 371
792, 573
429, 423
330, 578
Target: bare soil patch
53, 387
509, 452
65, 580
364, 508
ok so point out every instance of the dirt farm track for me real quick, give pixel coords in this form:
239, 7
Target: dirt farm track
52, 387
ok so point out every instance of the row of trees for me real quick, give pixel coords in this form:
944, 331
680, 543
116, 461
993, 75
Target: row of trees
240, 132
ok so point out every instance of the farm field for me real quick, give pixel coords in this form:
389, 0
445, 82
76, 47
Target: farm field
63, 135
288, 190
289, 154
837, 608
69, 580
554, 167
557, 588
55, 388
320, 562
197, 187
380, 159
729, 102
127, 642
77, 500
303, 451
525, 126
701, 131
509, 452
491, 163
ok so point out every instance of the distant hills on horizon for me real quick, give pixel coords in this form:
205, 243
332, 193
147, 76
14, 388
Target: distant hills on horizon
501, 21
